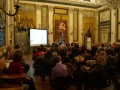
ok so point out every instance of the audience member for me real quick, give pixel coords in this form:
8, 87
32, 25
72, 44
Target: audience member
15, 68
59, 69
25, 66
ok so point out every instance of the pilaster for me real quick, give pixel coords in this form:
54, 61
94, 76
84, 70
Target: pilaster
70, 29
38, 15
81, 34
50, 25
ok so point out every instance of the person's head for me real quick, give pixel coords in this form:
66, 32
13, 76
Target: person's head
87, 52
17, 56
57, 59
63, 53
48, 54
79, 58
17, 46
101, 60
39, 49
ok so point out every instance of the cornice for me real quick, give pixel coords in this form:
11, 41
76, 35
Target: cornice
69, 2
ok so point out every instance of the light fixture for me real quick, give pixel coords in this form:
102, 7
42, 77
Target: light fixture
9, 14
19, 27
109, 3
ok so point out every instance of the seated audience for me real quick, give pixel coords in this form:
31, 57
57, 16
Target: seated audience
15, 68
65, 57
39, 52
59, 69
95, 71
25, 66
48, 59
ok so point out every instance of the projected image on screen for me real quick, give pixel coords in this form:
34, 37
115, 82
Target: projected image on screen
38, 37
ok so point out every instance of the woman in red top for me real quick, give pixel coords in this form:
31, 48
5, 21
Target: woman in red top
16, 68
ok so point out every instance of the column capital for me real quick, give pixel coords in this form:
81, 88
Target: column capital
50, 8
80, 10
96, 13
38, 6
71, 10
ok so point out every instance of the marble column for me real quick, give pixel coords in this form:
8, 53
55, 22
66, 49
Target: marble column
70, 29
50, 25
38, 16
80, 28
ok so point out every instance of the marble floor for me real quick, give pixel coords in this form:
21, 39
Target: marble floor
45, 85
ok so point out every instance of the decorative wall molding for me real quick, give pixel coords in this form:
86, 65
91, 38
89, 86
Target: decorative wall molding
105, 15
70, 2
71, 10
89, 13
50, 8
75, 25
27, 8
38, 6
81, 11
44, 17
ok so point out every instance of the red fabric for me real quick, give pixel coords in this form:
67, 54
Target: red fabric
38, 53
114, 46
15, 68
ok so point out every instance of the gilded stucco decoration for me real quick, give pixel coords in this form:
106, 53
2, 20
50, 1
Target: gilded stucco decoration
105, 15
27, 8
44, 17
71, 10
38, 6
75, 25
105, 34
51, 8
76, 2
88, 13
89, 23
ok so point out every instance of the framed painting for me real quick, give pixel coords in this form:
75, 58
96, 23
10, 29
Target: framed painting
61, 31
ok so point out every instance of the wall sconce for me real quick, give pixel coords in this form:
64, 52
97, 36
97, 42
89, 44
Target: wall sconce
82, 33
9, 14
19, 27
50, 33
71, 33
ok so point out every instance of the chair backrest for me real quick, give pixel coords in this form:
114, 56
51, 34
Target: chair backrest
62, 83
78, 78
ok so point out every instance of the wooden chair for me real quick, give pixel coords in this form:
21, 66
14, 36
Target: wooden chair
8, 77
